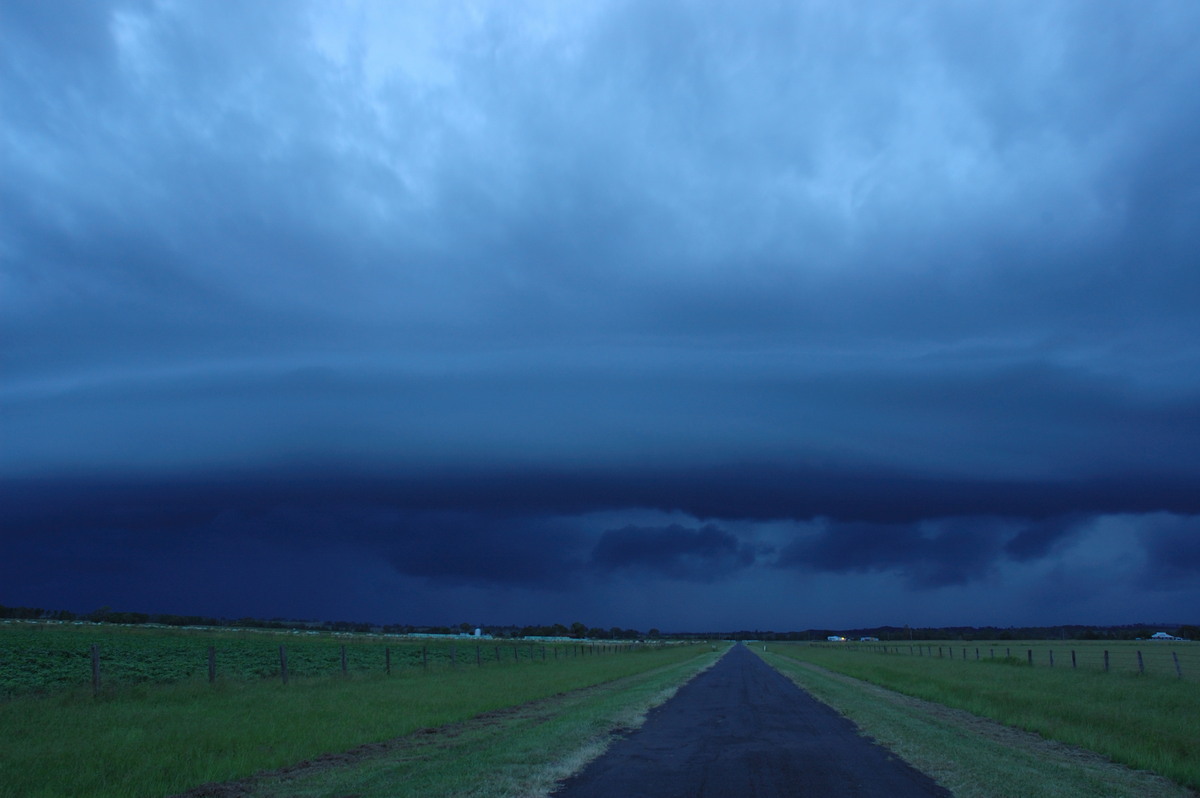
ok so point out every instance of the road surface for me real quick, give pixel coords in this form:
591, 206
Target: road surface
741, 729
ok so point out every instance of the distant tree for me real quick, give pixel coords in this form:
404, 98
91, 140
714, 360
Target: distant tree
579, 629
655, 634
23, 613
128, 617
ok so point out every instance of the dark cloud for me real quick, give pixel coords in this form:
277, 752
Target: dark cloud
1172, 546
745, 492
674, 551
427, 290
929, 555
452, 548
457, 548
1035, 540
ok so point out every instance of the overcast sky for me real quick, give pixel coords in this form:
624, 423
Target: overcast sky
689, 315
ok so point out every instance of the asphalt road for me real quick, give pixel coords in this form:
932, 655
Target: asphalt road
742, 729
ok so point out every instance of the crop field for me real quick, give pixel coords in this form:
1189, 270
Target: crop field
158, 727
41, 657
1147, 720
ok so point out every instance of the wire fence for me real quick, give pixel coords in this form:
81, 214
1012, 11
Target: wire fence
125, 661
1176, 659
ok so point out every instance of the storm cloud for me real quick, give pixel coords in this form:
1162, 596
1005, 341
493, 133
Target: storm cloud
702, 554
605, 310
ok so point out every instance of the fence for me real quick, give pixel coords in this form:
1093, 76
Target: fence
119, 661
1181, 661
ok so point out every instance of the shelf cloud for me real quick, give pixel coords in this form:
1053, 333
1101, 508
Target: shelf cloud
659, 313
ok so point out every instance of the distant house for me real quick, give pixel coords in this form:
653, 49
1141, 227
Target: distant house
836, 639
1164, 636
869, 639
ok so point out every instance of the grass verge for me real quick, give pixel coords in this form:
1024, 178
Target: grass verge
945, 736
521, 751
155, 740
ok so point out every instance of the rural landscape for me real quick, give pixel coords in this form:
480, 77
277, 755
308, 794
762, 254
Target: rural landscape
159, 710
593, 398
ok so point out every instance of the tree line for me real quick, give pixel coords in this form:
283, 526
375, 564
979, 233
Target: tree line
966, 633
580, 630
577, 629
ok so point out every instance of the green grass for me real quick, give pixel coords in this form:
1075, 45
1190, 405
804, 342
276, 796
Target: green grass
1159, 658
523, 752
971, 757
1148, 723
156, 739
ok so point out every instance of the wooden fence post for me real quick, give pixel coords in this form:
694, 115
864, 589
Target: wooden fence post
453, 656
1073, 666
95, 668
497, 653
212, 664
424, 658
1030, 657
478, 660
1106, 660
387, 661
1051, 658
1141, 665
343, 660
283, 670
1178, 672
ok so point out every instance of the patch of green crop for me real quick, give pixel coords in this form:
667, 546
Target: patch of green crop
48, 657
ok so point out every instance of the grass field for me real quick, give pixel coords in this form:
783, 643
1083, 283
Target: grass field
152, 738
972, 757
520, 752
1149, 722
1159, 658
